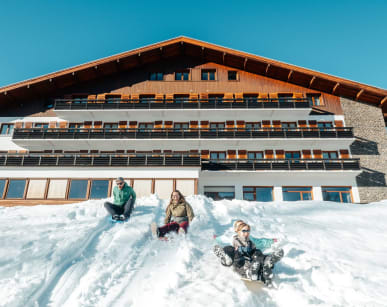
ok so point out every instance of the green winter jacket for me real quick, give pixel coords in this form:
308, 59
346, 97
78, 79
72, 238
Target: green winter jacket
122, 196
260, 243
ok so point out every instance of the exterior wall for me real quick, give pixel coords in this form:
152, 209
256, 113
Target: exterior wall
370, 146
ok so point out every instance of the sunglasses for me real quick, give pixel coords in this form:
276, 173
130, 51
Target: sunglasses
244, 230
120, 183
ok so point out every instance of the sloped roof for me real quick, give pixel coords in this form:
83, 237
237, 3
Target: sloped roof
192, 47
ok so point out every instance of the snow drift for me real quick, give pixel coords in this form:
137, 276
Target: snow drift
335, 255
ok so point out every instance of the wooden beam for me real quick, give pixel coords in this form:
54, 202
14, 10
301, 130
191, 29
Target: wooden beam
267, 68
182, 48
383, 101
335, 88
311, 81
359, 93
245, 63
224, 57
290, 74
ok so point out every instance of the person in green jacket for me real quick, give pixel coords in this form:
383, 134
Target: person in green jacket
124, 199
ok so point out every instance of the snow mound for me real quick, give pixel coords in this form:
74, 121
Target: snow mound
73, 256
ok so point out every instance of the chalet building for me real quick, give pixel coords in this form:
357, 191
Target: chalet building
189, 115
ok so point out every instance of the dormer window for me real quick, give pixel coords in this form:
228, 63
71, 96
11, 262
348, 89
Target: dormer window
208, 74
232, 75
314, 99
156, 76
182, 75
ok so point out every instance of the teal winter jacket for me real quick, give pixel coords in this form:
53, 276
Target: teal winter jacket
122, 196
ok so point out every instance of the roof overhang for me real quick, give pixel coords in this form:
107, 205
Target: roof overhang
191, 47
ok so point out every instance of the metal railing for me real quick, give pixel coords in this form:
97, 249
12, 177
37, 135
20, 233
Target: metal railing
164, 160
182, 103
166, 133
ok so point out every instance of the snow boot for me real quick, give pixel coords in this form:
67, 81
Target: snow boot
267, 273
116, 217
122, 217
254, 270
224, 258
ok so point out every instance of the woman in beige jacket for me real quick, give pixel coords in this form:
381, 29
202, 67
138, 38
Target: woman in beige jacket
178, 215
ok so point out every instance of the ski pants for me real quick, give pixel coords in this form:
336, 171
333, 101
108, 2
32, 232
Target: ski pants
241, 264
173, 226
125, 209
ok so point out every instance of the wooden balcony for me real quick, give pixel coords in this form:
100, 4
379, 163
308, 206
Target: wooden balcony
178, 160
184, 109
178, 103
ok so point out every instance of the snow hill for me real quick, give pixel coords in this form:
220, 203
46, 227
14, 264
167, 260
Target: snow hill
335, 255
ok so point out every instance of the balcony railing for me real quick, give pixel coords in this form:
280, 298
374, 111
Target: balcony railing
150, 160
185, 103
164, 133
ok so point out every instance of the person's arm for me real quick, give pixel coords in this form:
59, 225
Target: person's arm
133, 195
262, 243
190, 213
115, 198
168, 214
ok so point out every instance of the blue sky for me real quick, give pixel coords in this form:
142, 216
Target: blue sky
343, 38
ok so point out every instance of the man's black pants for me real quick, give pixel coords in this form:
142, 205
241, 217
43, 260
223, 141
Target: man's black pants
125, 209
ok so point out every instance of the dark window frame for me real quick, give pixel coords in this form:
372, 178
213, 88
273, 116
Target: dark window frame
332, 189
9, 128
230, 76
207, 72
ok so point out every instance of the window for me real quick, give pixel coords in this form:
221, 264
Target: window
156, 76
182, 75
296, 193
147, 98
110, 126
16, 188
145, 126
6, 128
180, 126
254, 155
232, 75
57, 189
36, 188
253, 126
330, 155
99, 189
215, 98
292, 155
78, 188
314, 99
74, 126
288, 125
250, 98
258, 193
324, 124
80, 99
181, 98
216, 126
2, 187
218, 155
219, 192
337, 194
208, 74
41, 125
282, 97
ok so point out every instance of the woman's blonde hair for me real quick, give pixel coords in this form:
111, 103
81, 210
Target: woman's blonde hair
236, 224
242, 225
181, 198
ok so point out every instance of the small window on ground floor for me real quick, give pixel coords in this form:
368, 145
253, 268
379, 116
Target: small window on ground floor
78, 189
258, 193
2, 187
16, 188
296, 193
99, 189
220, 192
337, 194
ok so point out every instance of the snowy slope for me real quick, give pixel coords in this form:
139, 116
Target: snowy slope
335, 255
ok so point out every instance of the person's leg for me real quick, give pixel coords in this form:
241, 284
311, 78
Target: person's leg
226, 254
183, 227
163, 230
257, 260
128, 208
113, 209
